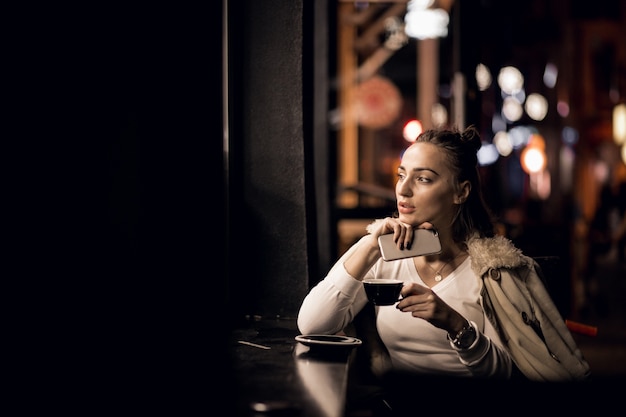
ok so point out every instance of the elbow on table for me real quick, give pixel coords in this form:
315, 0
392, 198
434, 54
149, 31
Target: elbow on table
305, 324
313, 325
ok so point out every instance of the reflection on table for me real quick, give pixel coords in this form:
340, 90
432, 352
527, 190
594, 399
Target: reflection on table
325, 379
274, 374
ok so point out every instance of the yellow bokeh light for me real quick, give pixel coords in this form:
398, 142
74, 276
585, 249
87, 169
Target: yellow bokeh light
619, 124
533, 160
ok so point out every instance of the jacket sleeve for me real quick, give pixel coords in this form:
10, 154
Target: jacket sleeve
486, 358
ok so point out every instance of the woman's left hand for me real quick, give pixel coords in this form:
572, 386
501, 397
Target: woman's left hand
422, 302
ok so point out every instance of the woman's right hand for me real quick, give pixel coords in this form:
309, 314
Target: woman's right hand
422, 302
359, 262
402, 232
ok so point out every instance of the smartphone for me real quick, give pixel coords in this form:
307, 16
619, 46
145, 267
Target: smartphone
425, 242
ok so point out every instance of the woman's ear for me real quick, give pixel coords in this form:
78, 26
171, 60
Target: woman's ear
464, 191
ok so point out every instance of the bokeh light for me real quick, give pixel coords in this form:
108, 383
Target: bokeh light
510, 80
562, 108
412, 130
424, 23
550, 74
569, 136
497, 123
439, 115
487, 154
536, 106
619, 124
503, 143
483, 77
512, 109
519, 136
533, 160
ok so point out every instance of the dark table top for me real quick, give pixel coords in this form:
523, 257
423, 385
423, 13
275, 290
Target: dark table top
274, 374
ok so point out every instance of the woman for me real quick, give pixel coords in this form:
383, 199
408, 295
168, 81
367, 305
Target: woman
444, 323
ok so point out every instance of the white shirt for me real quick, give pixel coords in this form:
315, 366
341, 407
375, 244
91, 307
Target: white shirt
413, 343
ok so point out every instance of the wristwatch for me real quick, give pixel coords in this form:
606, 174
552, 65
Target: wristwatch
464, 338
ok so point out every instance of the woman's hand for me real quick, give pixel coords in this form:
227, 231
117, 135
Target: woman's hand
402, 232
423, 303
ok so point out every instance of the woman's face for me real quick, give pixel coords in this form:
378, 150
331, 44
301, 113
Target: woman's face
425, 189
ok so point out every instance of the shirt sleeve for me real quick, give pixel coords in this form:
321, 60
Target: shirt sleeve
334, 302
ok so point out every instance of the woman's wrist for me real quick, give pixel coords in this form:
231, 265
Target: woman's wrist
372, 242
464, 338
362, 260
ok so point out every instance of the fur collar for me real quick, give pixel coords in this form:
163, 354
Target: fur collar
495, 252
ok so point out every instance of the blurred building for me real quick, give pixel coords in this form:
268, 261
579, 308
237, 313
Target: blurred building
537, 78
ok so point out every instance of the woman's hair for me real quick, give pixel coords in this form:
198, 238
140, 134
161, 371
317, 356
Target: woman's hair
461, 149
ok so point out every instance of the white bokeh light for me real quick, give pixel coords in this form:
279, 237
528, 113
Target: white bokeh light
483, 77
412, 130
439, 114
512, 109
519, 136
536, 106
510, 80
424, 23
550, 74
503, 143
487, 154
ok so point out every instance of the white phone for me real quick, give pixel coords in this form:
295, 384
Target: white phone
425, 242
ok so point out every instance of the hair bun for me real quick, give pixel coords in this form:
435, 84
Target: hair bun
471, 137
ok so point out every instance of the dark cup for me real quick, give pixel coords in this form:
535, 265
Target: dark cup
382, 292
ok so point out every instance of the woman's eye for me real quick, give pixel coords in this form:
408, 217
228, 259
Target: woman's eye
423, 179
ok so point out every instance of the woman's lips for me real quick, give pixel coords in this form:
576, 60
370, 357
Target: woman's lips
405, 208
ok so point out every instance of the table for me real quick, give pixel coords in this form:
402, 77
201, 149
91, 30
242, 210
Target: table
274, 374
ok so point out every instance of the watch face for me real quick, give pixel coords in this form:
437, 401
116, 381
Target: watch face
466, 338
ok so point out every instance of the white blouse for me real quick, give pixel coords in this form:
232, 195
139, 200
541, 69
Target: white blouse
413, 343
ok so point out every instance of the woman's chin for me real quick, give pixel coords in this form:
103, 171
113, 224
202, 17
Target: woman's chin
411, 220
408, 219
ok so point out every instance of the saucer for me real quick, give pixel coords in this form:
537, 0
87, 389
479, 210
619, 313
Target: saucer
327, 340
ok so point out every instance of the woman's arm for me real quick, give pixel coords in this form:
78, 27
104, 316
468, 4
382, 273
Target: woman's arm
332, 304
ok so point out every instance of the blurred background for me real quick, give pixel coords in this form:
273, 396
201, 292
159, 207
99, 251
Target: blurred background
544, 82
541, 81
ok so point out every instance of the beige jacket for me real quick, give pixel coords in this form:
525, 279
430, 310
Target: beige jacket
517, 303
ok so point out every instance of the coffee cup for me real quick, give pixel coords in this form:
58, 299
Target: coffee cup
383, 292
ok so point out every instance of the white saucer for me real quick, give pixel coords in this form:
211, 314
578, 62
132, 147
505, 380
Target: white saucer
327, 340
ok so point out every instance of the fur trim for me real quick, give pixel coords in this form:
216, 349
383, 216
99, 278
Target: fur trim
496, 252
373, 225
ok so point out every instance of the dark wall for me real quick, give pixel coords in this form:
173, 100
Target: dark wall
121, 231
150, 241
269, 156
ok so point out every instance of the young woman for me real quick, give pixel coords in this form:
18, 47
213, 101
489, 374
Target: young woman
449, 321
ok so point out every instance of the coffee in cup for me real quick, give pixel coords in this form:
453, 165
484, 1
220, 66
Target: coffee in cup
383, 292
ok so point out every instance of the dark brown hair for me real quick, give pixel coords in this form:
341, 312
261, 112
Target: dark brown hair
461, 148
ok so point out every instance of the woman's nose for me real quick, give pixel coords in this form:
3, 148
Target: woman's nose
404, 189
